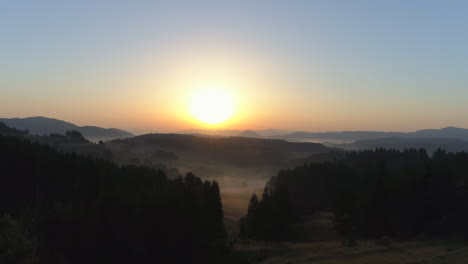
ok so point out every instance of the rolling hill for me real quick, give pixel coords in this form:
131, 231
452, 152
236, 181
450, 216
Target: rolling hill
239, 151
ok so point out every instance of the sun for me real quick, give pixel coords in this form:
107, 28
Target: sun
212, 106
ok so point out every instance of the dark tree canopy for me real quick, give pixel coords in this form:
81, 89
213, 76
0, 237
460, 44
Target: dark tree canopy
380, 192
85, 210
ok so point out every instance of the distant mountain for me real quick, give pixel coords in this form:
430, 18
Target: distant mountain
204, 135
39, 125
352, 136
337, 137
8, 131
46, 126
430, 144
233, 133
249, 133
103, 133
448, 132
211, 132
272, 132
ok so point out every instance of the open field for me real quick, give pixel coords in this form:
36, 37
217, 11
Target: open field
407, 252
316, 242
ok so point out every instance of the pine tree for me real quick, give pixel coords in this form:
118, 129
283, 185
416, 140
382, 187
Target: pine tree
252, 217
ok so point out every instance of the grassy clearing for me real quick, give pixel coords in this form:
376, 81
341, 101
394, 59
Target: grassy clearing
403, 252
318, 227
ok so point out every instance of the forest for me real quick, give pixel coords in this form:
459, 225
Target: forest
372, 194
64, 208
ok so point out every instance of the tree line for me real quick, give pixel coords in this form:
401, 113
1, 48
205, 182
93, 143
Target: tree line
64, 208
372, 193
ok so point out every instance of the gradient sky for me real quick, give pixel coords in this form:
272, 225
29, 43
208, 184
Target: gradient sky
299, 65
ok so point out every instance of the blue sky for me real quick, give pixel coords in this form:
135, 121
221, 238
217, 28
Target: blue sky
317, 65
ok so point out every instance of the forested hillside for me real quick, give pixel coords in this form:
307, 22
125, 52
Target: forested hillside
371, 193
238, 151
64, 208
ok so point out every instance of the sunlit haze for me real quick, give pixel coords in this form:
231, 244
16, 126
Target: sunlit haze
212, 106
301, 65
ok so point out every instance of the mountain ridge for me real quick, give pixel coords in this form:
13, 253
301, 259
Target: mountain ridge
340, 137
39, 125
430, 144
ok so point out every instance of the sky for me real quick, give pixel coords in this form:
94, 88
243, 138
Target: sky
296, 65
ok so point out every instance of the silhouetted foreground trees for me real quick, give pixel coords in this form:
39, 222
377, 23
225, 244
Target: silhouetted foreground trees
378, 193
268, 218
64, 208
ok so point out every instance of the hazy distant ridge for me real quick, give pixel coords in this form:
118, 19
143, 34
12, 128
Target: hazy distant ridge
233, 132
45, 126
351, 136
337, 136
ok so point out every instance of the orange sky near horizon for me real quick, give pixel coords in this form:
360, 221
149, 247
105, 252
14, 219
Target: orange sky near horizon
302, 66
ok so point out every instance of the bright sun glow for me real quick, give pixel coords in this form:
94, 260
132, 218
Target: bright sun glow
212, 106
